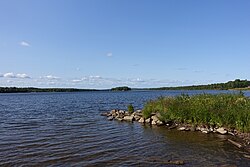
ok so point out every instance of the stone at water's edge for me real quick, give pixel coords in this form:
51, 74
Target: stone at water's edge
148, 120
141, 120
221, 131
153, 122
181, 128
104, 114
110, 118
128, 118
192, 128
137, 118
121, 115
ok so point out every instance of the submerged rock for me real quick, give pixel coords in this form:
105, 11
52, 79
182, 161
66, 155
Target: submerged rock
110, 118
105, 114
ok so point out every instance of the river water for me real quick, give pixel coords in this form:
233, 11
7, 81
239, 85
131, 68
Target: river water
66, 129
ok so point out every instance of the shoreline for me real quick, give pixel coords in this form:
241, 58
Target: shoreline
236, 138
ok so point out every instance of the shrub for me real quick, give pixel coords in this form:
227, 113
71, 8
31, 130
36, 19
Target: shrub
130, 108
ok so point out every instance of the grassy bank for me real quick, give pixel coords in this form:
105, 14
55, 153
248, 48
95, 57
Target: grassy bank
228, 110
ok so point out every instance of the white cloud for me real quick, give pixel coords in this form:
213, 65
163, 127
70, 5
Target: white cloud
24, 43
22, 76
9, 75
50, 77
95, 77
109, 54
77, 80
12, 75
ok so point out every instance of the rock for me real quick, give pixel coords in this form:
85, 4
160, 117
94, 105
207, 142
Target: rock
105, 114
192, 128
119, 119
172, 126
121, 112
204, 130
159, 123
139, 111
181, 128
128, 118
113, 111
120, 115
137, 117
138, 114
153, 122
155, 118
110, 118
126, 114
198, 128
221, 131
148, 120
141, 120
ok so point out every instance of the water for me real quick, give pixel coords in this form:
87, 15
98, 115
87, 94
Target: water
66, 129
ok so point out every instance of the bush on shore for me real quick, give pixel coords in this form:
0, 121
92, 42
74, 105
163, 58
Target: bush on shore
131, 108
229, 110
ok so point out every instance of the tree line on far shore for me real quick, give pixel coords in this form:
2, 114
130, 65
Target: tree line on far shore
31, 89
236, 84
218, 86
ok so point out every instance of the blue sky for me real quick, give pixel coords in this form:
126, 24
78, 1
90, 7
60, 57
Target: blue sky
138, 43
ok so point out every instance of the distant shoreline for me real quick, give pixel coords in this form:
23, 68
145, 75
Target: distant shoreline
230, 85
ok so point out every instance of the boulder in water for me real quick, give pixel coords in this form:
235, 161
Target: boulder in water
221, 131
128, 118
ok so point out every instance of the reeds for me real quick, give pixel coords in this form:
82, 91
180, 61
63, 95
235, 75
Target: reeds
228, 110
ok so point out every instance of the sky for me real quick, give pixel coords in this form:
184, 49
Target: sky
136, 43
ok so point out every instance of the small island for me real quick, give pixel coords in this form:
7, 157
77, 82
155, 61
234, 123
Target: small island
122, 88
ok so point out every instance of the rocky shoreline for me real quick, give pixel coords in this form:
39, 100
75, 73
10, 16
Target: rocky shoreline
238, 139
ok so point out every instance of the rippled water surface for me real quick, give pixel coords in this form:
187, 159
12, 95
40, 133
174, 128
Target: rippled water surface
66, 129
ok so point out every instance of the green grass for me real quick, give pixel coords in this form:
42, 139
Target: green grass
228, 110
131, 108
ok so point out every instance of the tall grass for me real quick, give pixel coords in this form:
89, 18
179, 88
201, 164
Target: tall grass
229, 110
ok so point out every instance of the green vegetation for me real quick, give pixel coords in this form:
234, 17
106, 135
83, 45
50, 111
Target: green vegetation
130, 109
30, 89
218, 86
228, 110
122, 88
